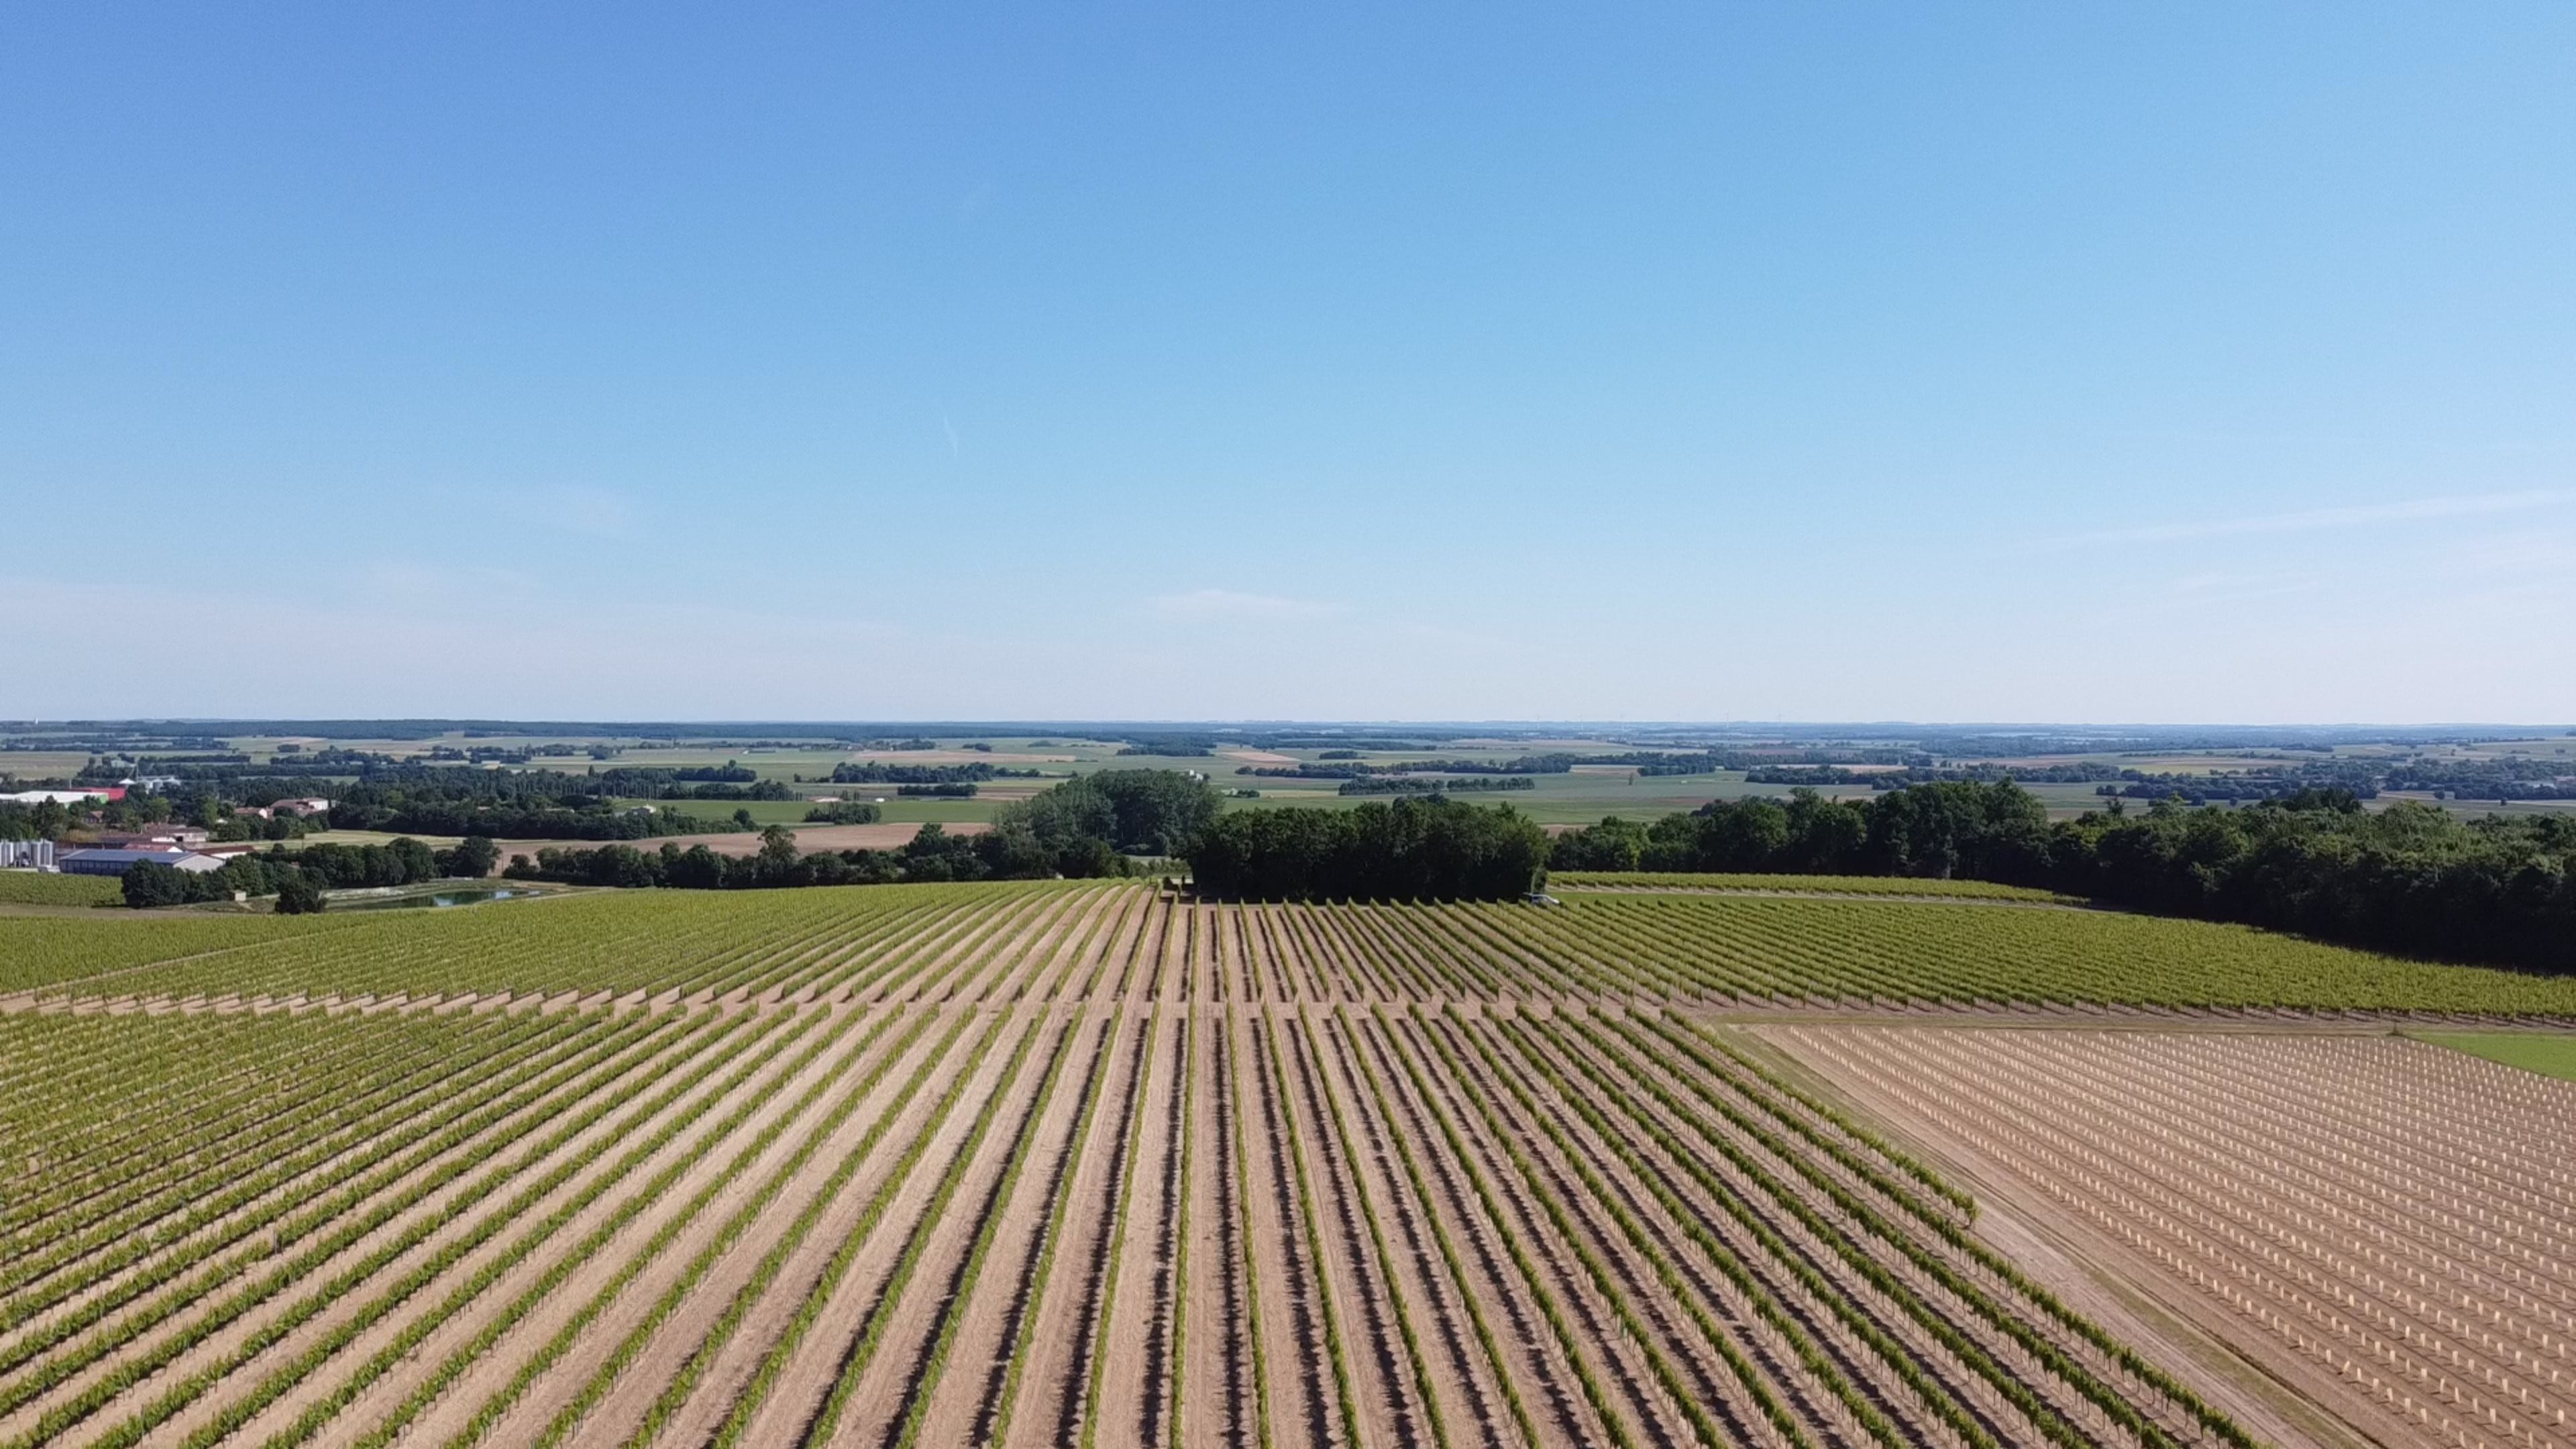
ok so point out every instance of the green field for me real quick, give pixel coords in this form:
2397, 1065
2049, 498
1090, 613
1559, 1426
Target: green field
2550, 1054
46, 951
1722, 952
39, 888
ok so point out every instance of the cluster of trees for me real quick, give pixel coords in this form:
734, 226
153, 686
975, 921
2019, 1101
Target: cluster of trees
2410, 879
284, 825
1086, 827
844, 812
427, 800
1344, 770
1427, 785
709, 782
877, 772
2081, 772
777, 863
2499, 780
1082, 823
44, 820
1433, 848
298, 879
952, 790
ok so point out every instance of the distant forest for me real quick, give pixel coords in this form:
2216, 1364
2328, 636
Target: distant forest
2412, 879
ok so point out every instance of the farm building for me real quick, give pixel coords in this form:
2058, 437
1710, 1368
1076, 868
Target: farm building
64, 797
118, 862
312, 806
154, 837
26, 855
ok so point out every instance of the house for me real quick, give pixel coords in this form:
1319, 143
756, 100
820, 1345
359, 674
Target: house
118, 862
26, 855
309, 806
154, 837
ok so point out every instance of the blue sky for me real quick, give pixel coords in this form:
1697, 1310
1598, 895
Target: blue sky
2142, 363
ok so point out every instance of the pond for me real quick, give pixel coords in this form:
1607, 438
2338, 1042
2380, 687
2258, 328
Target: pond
462, 896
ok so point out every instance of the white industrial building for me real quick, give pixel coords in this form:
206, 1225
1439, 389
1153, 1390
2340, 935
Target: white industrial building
118, 862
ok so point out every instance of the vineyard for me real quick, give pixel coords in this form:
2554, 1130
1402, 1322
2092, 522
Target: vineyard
1689, 950
1052, 1164
30, 888
2392, 1221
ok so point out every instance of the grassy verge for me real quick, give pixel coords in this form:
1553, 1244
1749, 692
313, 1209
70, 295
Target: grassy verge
2552, 1054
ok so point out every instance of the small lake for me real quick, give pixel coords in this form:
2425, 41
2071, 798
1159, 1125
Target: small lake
466, 896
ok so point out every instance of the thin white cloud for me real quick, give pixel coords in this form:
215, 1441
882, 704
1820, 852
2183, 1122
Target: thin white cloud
586, 509
1231, 604
2315, 520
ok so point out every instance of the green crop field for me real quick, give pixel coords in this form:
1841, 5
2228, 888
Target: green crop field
1704, 949
2551, 1054
43, 888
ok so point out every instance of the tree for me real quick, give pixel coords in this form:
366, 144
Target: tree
777, 858
1614, 844
149, 883
297, 896
474, 857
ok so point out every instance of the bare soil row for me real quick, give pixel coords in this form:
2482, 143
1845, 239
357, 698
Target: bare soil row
2387, 1225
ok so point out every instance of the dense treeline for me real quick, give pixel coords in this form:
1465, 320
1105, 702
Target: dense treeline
2081, 772
1343, 770
844, 812
1434, 848
585, 822
704, 783
875, 772
298, 879
43, 820
2410, 879
1086, 827
1432, 785
777, 863
448, 800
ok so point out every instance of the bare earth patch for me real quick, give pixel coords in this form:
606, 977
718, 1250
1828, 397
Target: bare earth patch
2383, 1226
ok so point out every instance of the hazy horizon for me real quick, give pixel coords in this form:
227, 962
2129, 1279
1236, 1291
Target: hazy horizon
1006, 725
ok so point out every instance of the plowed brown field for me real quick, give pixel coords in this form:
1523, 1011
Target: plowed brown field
2388, 1224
